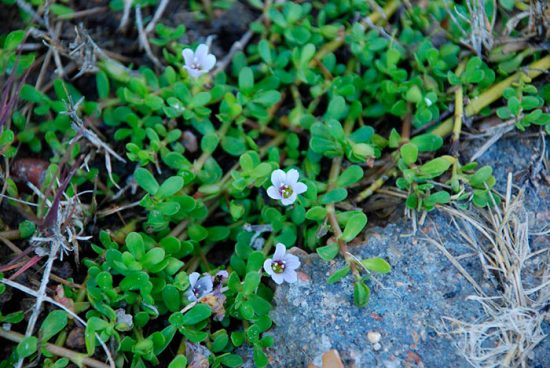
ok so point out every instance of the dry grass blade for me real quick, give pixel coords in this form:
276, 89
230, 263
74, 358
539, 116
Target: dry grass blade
511, 327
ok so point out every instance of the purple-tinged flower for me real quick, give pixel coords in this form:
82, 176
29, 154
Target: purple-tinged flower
198, 62
285, 186
220, 277
198, 286
282, 267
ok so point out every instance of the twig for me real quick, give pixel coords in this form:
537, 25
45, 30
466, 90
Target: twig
156, 16
41, 294
237, 46
125, 14
31, 292
492, 140
77, 358
143, 39
23, 5
84, 13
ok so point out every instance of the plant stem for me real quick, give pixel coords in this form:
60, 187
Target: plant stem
459, 113
475, 106
377, 184
335, 44
206, 155
331, 211
77, 358
533, 70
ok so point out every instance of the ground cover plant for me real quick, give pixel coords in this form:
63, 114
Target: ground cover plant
160, 158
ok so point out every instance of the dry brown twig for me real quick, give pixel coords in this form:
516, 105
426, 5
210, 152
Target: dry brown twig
143, 41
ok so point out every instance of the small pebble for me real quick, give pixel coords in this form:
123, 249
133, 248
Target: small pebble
374, 337
376, 347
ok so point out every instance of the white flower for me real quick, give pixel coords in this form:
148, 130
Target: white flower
198, 62
282, 267
124, 321
285, 186
198, 287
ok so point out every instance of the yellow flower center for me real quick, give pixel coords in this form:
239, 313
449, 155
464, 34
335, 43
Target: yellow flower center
278, 266
286, 191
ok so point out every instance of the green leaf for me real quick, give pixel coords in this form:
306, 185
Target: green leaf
153, 102
265, 51
376, 265
171, 297
350, 176
328, 252
197, 314
231, 360
200, 99
209, 142
409, 153
338, 275
481, 176
27, 347
267, 98
335, 195
337, 108
54, 323
437, 166
361, 293
246, 80
171, 186
251, 282
179, 361
13, 39
136, 246
60, 10
102, 82
153, 257
317, 213
146, 180
354, 226
26, 229
427, 142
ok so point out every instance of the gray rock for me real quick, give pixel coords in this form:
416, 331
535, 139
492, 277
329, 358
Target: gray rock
407, 306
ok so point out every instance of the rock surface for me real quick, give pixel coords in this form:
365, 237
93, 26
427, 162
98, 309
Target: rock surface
403, 323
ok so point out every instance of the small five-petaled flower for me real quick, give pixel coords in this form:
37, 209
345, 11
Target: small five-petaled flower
285, 186
198, 62
282, 267
198, 286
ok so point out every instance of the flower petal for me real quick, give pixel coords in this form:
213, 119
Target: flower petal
268, 268
208, 62
278, 278
289, 200
290, 276
205, 285
201, 52
273, 193
193, 279
190, 295
278, 177
291, 261
194, 73
299, 188
292, 177
280, 251
188, 55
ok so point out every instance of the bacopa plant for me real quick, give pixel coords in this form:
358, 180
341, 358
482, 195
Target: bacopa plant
176, 176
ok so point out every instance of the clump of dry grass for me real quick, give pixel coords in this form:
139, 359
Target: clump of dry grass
514, 310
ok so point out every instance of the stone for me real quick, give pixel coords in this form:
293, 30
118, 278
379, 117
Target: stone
404, 324
374, 337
